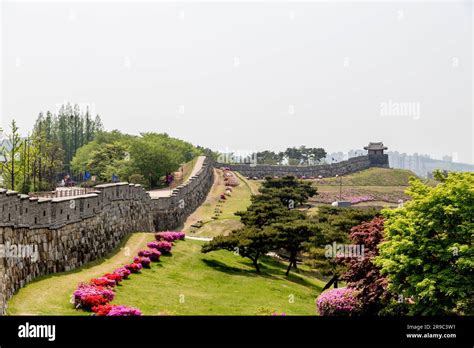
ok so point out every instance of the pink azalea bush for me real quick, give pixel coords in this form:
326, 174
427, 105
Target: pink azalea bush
338, 302
90, 295
169, 236
155, 255
163, 247
134, 267
144, 253
123, 272
144, 261
116, 311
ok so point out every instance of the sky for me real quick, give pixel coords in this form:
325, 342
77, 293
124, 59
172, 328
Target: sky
252, 75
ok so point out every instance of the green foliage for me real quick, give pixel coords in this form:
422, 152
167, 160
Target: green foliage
69, 130
292, 236
11, 156
137, 179
265, 211
270, 222
334, 225
288, 190
427, 254
149, 155
248, 242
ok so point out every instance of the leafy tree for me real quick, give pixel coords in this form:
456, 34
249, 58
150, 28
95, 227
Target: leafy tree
268, 157
334, 225
362, 275
11, 156
150, 155
427, 254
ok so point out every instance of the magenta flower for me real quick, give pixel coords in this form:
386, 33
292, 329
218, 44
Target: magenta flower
338, 302
117, 311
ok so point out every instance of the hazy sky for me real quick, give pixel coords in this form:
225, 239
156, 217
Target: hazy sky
250, 76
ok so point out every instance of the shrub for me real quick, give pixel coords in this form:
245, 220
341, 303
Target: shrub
124, 311
89, 295
144, 261
338, 302
102, 310
144, 253
163, 247
169, 236
155, 255
114, 276
134, 267
123, 272
103, 281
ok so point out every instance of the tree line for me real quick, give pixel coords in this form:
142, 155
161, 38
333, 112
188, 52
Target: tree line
292, 156
36, 162
142, 159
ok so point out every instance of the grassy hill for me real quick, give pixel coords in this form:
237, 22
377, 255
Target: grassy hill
373, 177
382, 187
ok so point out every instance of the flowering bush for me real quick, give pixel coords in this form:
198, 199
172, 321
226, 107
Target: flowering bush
103, 281
123, 272
134, 267
144, 261
155, 255
117, 278
89, 295
124, 311
102, 310
338, 302
169, 236
163, 247
144, 253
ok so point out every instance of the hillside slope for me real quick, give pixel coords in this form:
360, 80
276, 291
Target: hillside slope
373, 177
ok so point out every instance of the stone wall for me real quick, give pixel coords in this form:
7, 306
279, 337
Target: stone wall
71, 231
326, 170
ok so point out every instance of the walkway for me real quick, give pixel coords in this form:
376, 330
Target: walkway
167, 191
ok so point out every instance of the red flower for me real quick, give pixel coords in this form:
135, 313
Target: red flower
102, 310
113, 276
90, 301
103, 281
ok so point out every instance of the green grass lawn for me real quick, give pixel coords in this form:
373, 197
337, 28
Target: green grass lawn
373, 177
218, 283
186, 283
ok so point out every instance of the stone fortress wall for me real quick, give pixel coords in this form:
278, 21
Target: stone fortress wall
352, 165
68, 232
